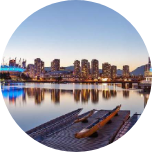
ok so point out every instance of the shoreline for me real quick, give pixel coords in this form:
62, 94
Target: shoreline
65, 82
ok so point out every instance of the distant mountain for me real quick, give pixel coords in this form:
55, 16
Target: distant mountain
69, 68
47, 69
139, 70
119, 72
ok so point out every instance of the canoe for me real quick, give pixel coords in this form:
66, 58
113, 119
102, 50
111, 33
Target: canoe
85, 117
92, 128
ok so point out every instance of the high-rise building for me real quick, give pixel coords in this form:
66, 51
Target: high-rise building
55, 65
95, 68
55, 95
106, 70
38, 67
148, 66
88, 67
148, 71
95, 95
30, 69
113, 71
84, 68
126, 72
77, 69
149, 61
12, 62
24, 64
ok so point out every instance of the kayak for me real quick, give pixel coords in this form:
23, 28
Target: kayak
85, 117
92, 128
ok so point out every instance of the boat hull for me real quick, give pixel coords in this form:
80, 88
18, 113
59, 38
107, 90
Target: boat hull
85, 118
88, 132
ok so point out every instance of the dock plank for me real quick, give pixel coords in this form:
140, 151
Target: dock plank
127, 126
65, 139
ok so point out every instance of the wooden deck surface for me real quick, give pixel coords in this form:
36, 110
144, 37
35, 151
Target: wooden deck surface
39, 132
127, 126
65, 140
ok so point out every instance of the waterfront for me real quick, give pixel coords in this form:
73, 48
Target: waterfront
32, 104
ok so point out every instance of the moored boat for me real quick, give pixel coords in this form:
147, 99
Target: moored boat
85, 117
92, 128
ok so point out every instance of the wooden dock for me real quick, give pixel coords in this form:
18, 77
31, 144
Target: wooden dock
38, 133
127, 126
62, 135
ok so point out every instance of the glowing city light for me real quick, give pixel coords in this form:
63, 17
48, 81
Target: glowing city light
11, 69
104, 79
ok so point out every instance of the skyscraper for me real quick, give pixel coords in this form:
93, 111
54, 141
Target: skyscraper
84, 68
12, 62
88, 67
55, 65
24, 64
148, 66
30, 69
148, 71
77, 69
38, 67
126, 72
113, 71
95, 68
106, 70
149, 61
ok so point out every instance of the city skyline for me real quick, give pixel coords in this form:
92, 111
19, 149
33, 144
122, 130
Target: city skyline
78, 30
21, 61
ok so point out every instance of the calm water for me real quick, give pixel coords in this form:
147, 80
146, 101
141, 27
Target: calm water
32, 104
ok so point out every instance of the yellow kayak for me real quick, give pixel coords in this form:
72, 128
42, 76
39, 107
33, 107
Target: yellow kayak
85, 118
88, 131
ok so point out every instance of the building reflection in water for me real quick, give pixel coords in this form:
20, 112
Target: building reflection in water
85, 95
126, 86
94, 95
36, 93
77, 94
55, 95
24, 95
30, 92
146, 97
67, 92
113, 93
39, 95
12, 94
126, 93
106, 94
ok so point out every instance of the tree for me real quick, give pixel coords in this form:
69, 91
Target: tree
58, 79
24, 76
5, 76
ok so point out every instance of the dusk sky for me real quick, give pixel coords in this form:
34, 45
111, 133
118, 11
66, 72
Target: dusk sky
77, 30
